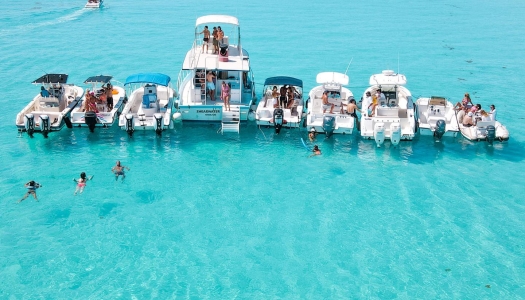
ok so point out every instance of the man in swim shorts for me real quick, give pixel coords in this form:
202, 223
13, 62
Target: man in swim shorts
210, 85
118, 170
206, 38
31, 190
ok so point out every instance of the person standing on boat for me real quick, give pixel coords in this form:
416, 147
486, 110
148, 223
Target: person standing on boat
225, 95
205, 39
31, 190
220, 35
118, 170
109, 95
282, 97
210, 85
493, 112
214, 35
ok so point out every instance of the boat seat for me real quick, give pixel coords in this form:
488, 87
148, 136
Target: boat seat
147, 99
484, 124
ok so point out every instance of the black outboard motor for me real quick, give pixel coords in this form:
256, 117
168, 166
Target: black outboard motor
440, 128
45, 126
90, 118
158, 123
278, 119
67, 120
130, 124
329, 125
29, 124
491, 134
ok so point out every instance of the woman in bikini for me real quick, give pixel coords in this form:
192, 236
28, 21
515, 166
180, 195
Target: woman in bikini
81, 182
225, 95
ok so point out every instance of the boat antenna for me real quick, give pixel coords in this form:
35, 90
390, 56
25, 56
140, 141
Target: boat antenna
349, 65
398, 63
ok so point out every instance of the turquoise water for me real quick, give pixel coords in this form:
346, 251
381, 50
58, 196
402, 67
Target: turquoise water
250, 216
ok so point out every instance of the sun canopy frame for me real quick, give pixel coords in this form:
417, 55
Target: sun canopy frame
51, 78
283, 80
155, 78
99, 79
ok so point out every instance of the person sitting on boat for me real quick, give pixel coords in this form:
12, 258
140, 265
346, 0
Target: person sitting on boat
327, 104
274, 94
81, 182
466, 103
493, 112
210, 85
44, 92
312, 134
351, 108
468, 119
484, 115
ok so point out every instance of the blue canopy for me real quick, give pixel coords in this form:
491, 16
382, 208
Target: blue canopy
156, 78
282, 80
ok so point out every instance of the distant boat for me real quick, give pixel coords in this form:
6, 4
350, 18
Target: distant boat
94, 4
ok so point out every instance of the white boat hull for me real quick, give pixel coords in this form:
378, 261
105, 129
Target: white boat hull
104, 118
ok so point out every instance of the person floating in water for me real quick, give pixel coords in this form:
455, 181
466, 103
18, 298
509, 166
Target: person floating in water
31, 190
118, 169
311, 134
316, 151
81, 182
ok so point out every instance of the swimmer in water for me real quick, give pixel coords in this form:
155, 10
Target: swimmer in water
31, 190
118, 170
81, 182
316, 151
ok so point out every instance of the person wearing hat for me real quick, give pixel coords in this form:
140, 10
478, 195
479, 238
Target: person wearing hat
311, 134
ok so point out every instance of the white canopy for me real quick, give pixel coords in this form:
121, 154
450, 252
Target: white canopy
332, 78
388, 77
223, 19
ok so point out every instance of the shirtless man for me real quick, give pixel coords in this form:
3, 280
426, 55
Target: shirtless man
282, 97
215, 35
206, 38
210, 85
109, 96
326, 104
118, 170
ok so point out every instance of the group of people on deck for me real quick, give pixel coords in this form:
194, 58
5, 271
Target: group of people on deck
284, 97
217, 35
469, 114
208, 85
101, 100
351, 107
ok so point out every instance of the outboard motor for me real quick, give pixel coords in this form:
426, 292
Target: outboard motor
395, 131
130, 124
158, 123
223, 52
379, 134
278, 119
29, 124
90, 118
45, 125
329, 125
491, 134
439, 131
67, 120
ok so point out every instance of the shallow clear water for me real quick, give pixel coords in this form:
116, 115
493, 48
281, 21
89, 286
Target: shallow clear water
250, 216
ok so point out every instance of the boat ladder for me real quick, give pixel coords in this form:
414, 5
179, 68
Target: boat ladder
231, 120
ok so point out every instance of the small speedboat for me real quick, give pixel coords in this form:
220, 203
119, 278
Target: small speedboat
149, 105
393, 115
484, 129
51, 108
269, 111
330, 120
94, 3
106, 111
436, 116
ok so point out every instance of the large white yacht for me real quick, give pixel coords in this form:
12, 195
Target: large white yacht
436, 116
332, 117
51, 108
389, 115
199, 99
150, 103
106, 110
281, 104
